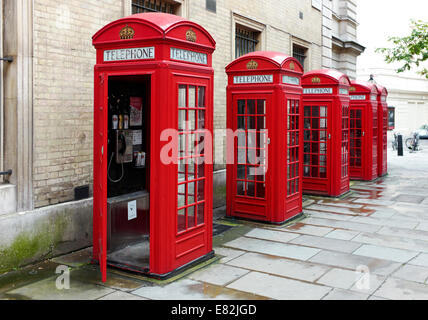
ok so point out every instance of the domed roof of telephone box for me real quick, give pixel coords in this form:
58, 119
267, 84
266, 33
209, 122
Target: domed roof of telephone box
272, 59
151, 26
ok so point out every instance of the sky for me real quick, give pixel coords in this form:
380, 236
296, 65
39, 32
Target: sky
380, 19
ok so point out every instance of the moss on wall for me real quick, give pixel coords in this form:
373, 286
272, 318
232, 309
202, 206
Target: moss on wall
35, 245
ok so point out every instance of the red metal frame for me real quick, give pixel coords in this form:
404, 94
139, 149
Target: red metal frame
326, 132
266, 109
171, 246
364, 131
382, 130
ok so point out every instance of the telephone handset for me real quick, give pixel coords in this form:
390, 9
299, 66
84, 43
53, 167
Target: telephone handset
123, 150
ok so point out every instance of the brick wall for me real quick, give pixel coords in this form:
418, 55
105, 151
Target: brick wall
63, 94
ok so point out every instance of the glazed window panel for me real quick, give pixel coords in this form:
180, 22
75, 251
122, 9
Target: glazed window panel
375, 134
345, 142
356, 136
315, 135
293, 147
191, 164
251, 148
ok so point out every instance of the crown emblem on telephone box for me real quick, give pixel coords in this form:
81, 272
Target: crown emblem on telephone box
292, 66
352, 89
191, 35
127, 33
316, 80
252, 65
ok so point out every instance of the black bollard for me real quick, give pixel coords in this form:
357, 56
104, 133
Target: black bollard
399, 145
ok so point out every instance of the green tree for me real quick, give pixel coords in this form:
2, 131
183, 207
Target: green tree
411, 51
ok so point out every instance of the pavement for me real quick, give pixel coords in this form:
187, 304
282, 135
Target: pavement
371, 244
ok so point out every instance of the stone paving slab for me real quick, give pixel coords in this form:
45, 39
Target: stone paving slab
328, 215
423, 226
397, 289
412, 273
228, 253
272, 235
355, 226
368, 283
340, 203
375, 202
339, 278
420, 260
279, 288
333, 209
342, 234
120, 295
307, 229
352, 261
405, 233
187, 289
280, 266
218, 274
392, 241
386, 253
273, 248
340, 294
387, 222
46, 290
326, 243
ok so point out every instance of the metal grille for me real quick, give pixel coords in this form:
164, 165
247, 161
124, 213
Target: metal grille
245, 41
299, 54
141, 6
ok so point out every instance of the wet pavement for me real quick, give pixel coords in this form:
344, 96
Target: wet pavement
371, 244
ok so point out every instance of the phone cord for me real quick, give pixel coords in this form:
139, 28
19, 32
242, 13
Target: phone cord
108, 170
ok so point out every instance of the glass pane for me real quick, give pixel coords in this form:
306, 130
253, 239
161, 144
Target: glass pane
251, 106
241, 106
181, 199
251, 191
182, 96
191, 170
241, 172
201, 119
261, 106
181, 171
182, 145
251, 122
261, 190
201, 213
241, 190
201, 190
191, 216
201, 97
315, 111
201, 170
181, 222
191, 193
181, 120
192, 96
241, 123
192, 119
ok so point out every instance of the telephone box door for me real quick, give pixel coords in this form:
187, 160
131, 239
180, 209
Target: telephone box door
317, 145
100, 178
357, 141
250, 166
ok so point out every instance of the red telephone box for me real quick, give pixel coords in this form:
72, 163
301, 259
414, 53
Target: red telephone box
264, 113
363, 131
382, 108
153, 106
326, 132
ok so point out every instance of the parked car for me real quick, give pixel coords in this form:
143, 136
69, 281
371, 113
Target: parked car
423, 132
